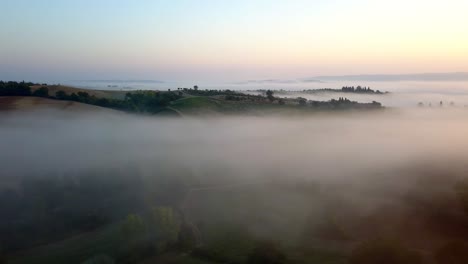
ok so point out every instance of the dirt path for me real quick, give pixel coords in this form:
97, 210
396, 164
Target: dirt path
175, 110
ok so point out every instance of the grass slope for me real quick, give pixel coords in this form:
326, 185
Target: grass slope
213, 106
28, 103
109, 94
197, 105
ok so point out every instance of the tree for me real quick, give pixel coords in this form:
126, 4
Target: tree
270, 96
302, 101
15, 89
41, 92
74, 97
103, 102
133, 226
83, 96
61, 95
166, 226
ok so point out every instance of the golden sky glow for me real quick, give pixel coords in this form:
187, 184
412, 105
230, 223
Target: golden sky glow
249, 38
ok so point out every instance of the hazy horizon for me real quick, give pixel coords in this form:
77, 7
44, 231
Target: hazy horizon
214, 41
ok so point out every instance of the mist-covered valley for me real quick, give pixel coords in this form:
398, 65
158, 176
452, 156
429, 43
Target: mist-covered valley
234, 132
313, 189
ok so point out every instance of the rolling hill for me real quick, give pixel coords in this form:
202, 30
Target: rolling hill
27, 103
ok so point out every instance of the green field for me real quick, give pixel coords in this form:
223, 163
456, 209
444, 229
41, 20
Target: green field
199, 105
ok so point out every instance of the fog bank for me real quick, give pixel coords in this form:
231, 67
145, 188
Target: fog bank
318, 147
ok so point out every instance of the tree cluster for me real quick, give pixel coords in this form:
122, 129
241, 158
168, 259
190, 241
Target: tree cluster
344, 103
347, 89
270, 96
198, 92
359, 89
15, 88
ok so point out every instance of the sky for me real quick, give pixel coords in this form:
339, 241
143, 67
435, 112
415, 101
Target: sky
221, 40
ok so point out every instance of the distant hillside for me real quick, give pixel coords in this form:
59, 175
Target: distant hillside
181, 102
28, 103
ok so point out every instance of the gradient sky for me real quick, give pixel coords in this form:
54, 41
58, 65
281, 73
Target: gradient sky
221, 40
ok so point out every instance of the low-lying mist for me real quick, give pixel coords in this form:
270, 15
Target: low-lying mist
370, 173
327, 146
399, 99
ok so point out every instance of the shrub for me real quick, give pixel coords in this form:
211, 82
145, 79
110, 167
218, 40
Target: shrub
41, 92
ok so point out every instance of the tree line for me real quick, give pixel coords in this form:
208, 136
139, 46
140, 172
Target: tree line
140, 101
15, 88
347, 89
340, 103
359, 89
